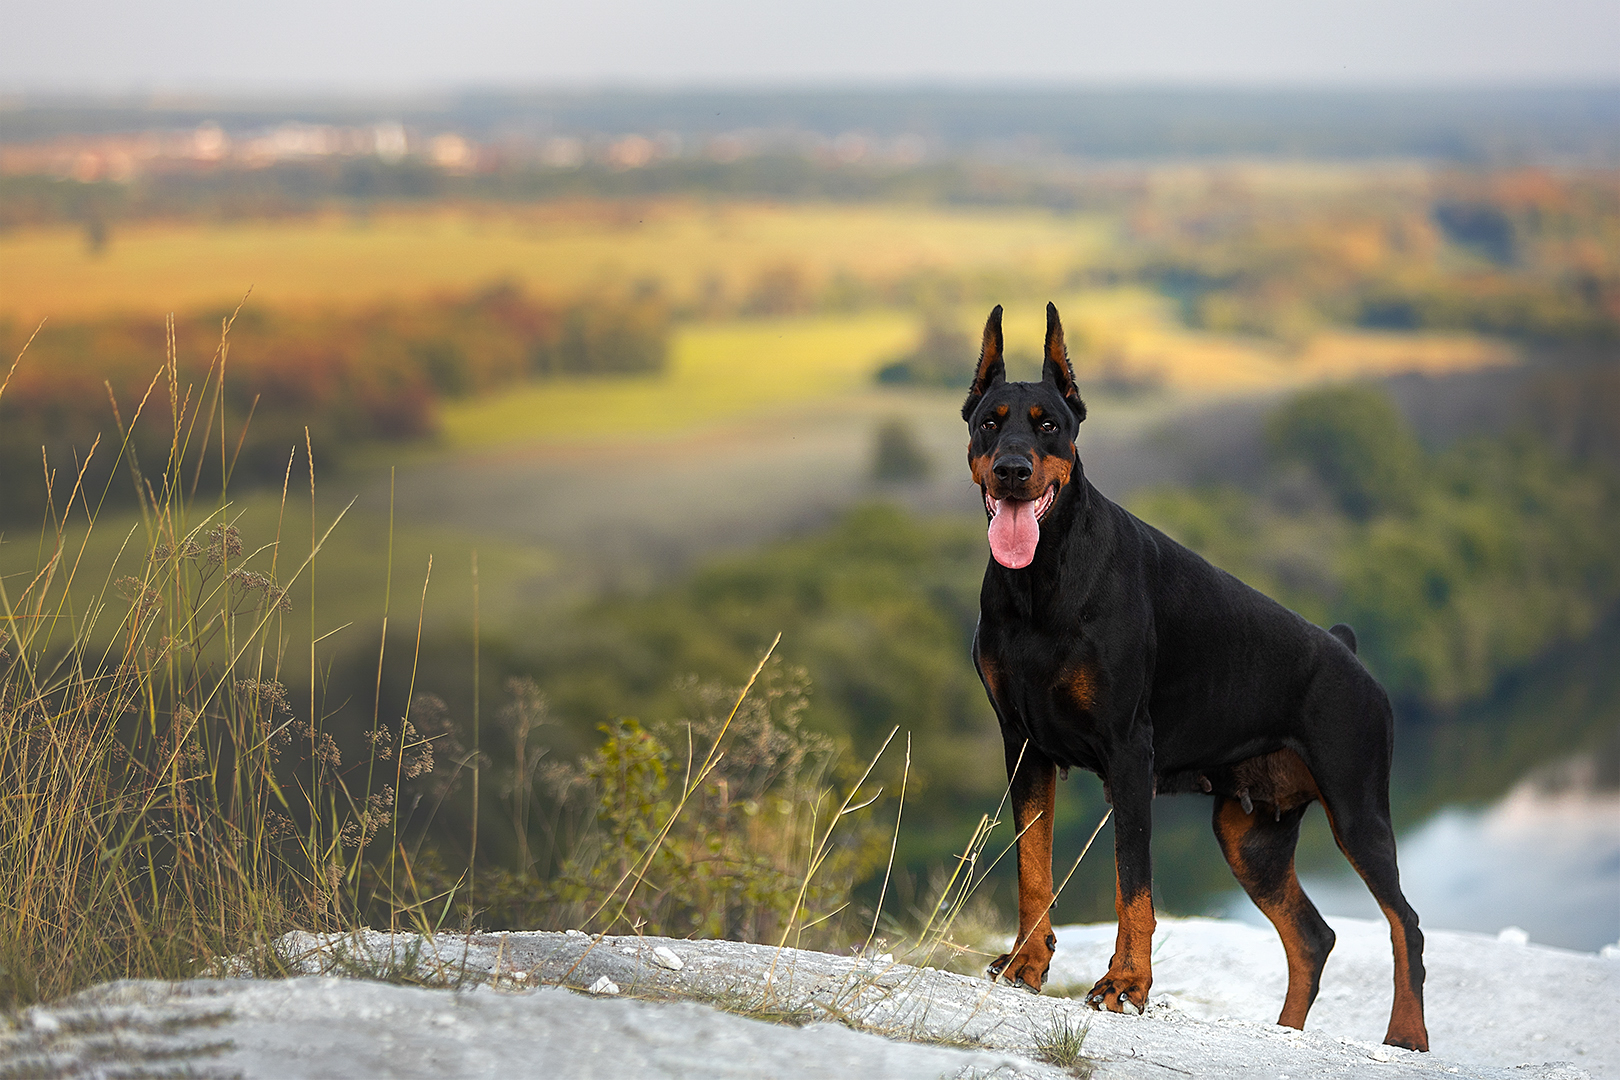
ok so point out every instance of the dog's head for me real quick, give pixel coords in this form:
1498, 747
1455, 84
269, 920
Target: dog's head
1021, 447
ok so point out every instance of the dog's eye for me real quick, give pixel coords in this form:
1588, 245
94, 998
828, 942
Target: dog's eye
988, 425
1048, 426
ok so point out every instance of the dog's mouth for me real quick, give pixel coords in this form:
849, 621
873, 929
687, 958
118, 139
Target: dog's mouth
1015, 527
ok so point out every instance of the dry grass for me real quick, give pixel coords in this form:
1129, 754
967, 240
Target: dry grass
139, 811
1062, 1043
164, 799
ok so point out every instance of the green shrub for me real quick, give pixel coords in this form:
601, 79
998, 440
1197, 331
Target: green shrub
732, 861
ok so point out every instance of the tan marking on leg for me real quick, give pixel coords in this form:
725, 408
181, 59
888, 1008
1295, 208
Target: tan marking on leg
1406, 1025
1282, 908
1035, 871
992, 676
1130, 972
1133, 945
1032, 817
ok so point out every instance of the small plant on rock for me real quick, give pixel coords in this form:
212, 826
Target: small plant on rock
1061, 1042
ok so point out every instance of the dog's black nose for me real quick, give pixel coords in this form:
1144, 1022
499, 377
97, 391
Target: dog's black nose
1011, 469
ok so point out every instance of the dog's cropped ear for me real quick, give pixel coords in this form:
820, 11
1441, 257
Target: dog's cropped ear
1056, 369
992, 369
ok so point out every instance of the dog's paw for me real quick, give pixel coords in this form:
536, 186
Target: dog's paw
1026, 968
1121, 993
1409, 1034
1018, 971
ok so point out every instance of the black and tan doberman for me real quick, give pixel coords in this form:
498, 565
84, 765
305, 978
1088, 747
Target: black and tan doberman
1105, 645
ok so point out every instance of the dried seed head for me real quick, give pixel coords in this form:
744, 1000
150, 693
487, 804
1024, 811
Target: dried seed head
224, 542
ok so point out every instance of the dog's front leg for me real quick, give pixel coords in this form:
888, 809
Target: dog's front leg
1130, 973
1034, 787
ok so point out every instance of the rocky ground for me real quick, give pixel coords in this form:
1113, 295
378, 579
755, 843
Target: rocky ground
567, 1005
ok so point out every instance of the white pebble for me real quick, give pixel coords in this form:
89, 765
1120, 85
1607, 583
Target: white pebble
45, 1024
574, 933
604, 985
665, 957
1513, 935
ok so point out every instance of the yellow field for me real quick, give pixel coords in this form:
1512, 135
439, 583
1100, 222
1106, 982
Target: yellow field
688, 249
720, 371
716, 372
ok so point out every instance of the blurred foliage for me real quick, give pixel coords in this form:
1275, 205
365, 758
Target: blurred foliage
896, 454
1454, 567
346, 376
1355, 443
1530, 253
944, 357
879, 609
743, 835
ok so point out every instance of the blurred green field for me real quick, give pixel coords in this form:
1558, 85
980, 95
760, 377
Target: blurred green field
783, 403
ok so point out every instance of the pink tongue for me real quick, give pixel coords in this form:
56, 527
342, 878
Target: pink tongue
1014, 532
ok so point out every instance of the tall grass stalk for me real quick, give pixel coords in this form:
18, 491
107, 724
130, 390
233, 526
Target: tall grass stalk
144, 826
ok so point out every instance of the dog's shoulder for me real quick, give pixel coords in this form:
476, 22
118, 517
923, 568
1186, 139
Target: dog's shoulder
1184, 584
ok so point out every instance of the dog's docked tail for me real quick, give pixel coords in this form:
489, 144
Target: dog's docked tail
1344, 634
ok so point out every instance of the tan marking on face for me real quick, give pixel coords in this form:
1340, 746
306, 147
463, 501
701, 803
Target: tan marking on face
1050, 469
980, 468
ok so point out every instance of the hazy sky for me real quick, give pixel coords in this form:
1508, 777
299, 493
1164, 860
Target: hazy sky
72, 45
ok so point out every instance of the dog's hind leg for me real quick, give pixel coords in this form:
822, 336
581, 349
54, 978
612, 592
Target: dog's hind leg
1357, 806
1259, 847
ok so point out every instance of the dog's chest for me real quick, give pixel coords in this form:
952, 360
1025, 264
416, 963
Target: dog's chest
1047, 688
